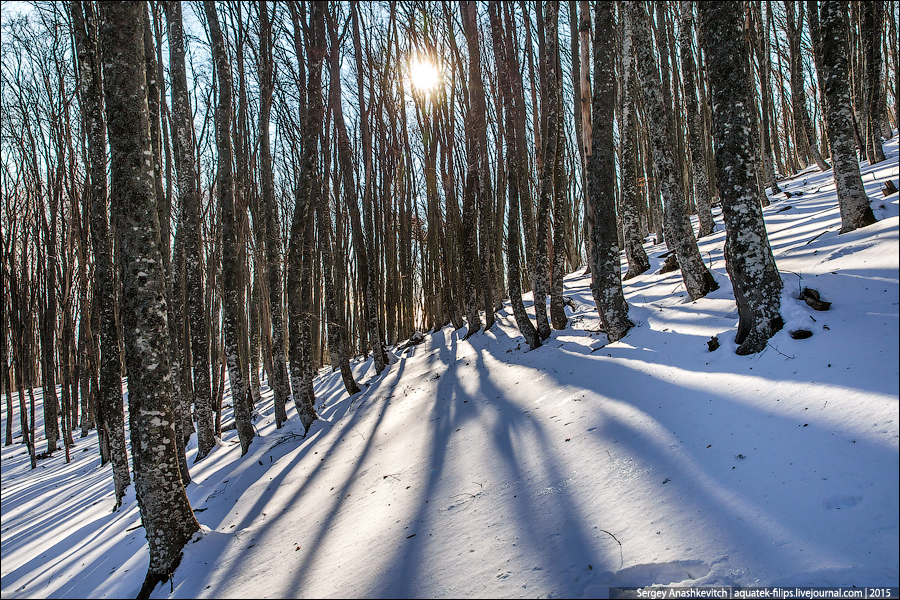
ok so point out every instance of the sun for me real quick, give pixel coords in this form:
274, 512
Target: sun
424, 74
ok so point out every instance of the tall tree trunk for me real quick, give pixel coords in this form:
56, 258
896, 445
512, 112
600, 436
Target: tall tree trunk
189, 202
111, 412
174, 304
298, 332
370, 280
815, 36
547, 45
855, 209
47, 317
606, 266
560, 183
361, 240
803, 127
873, 17
631, 218
232, 271
476, 130
698, 281
748, 257
165, 511
695, 126
279, 381
760, 44
17, 276
504, 65
583, 104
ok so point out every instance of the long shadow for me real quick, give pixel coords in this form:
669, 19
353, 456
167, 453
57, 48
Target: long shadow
315, 545
72, 549
456, 409
447, 416
247, 463
89, 487
721, 488
693, 472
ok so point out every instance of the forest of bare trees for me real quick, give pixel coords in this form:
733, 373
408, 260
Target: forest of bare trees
196, 193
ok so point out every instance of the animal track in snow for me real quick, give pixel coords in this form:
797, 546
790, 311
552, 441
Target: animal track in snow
841, 502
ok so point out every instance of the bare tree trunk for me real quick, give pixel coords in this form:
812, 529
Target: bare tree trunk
698, 281
547, 45
17, 277
476, 132
560, 185
580, 30
760, 43
702, 196
232, 271
606, 265
111, 412
189, 202
749, 259
631, 218
298, 307
279, 381
370, 283
873, 17
855, 209
165, 511
502, 48
802, 124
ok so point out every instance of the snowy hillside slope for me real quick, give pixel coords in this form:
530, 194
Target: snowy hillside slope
478, 469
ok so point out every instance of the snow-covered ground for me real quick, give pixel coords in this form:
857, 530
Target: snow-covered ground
478, 469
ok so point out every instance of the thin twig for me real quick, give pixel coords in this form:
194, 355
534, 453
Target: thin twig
621, 552
818, 236
799, 278
780, 352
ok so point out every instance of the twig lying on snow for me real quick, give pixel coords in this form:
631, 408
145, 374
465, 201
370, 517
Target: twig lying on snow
780, 352
621, 553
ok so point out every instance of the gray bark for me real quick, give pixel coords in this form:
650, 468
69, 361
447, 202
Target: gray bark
232, 271
526, 199
476, 130
501, 53
370, 279
749, 260
550, 116
560, 183
698, 281
606, 265
761, 47
174, 303
281, 387
873, 17
854, 203
803, 128
165, 511
189, 202
111, 411
631, 214
298, 273
702, 197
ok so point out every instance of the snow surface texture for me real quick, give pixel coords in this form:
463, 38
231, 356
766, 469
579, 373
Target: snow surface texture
477, 469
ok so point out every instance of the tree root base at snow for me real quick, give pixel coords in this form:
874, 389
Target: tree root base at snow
670, 265
154, 579
416, 339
